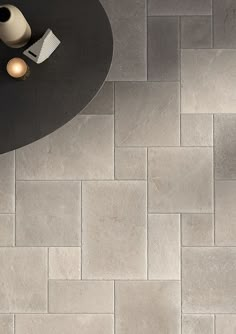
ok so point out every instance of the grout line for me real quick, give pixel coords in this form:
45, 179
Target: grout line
116, 279
15, 197
114, 113
214, 182
181, 274
214, 324
147, 223
81, 231
182, 15
14, 323
114, 322
212, 24
180, 85
147, 41
48, 280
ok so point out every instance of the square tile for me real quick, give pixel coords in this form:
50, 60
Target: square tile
81, 296
180, 180
208, 81
147, 307
197, 230
147, 114
196, 32
128, 21
225, 228
225, 323
163, 49
23, 280
64, 263
114, 230
225, 146
64, 324
164, 247
208, 280
130, 163
6, 324
7, 183
196, 130
179, 7
82, 149
198, 324
48, 213
7, 230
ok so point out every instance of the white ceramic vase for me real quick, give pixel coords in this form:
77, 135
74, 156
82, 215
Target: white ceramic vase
15, 31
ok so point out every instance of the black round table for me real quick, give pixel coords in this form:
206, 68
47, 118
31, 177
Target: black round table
63, 85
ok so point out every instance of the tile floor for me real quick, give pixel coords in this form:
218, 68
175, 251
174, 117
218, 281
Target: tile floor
124, 220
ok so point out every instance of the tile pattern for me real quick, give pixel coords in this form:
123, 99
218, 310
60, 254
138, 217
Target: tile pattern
123, 220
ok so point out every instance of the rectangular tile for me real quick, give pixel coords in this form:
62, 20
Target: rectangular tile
23, 280
81, 296
71, 153
6, 324
196, 32
197, 230
225, 323
163, 49
147, 114
196, 130
179, 7
7, 229
114, 230
198, 324
7, 183
130, 163
64, 262
147, 307
48, 213
164, 247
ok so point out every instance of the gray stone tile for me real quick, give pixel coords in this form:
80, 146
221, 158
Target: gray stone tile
179, 7
81, 297
82, 149
147, 307
180, 180
224, 24
225, 197
23, 280
163, 49
64, 324
196, 130
196, 32
7, 228
208, 81
164, 247
128, 21
6, 324
130, 163
197, 230
208, 280
103, 102
7, 183
225, 146
48, 213
65, 262
147, 114
114, 230
198, 324
225, 323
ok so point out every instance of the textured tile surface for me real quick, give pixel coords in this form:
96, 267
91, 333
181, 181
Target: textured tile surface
215, 70
196, 130
114, 230
131, 163
164, 247
48, 214
23, 280
198, 324
7, 183
64, 263
180, 180
208, 276
7, 226
196, 32
225, 324
81, 297
163, 49
197, 230
179, 7
147, 114
6, 324
147, 307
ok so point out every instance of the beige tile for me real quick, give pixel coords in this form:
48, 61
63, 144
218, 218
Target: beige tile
48, 213
180, 180
23, 280
130, 163
198, 324
147, 114
6, 324
82, 149
147, 307
208, 81
7, 183
179, 7
196, 130
164, 247
225, 197
114, 230
197, 230
65, 263
64, 324
208, 280
196, 32
225, 324
81, 296
7, 227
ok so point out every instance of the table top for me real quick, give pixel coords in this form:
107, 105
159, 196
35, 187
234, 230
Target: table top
58, 89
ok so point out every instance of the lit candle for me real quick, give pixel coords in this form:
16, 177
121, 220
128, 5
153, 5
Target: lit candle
17, 68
